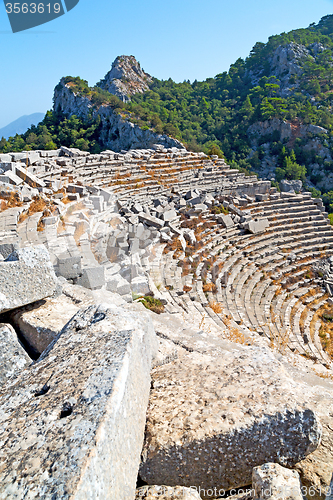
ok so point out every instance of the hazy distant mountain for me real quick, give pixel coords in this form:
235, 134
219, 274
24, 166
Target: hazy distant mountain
21, 125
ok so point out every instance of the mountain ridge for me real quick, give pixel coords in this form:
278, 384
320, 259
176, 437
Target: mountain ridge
21, 124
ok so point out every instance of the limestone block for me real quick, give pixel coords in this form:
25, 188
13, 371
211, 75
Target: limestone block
26, 276
28, 177
13, 357
75, 188
137, 208
134, 245
31, 157
5, 158
41, 322
225, 220
140, 285
273, 482
151, 221
118, 284
97, 201
10, 178
169, 215
92, 278
256, 226
242, 411
192, 194
73, 419
166, 493
69, 266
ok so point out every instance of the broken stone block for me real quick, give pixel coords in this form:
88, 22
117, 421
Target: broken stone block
151, 221
69, 266
256, 226
140, 285
74, 418
92, 278
10, 178
273, 482
26, 276
7, 248
41, 322
28, 177
13, 357
98, 202
137, 208
118, 284
225, 220
170, 215
166, 493
134, 245
220, 425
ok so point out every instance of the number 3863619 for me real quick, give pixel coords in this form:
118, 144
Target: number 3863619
32, 8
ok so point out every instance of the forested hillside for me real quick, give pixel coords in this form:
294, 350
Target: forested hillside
271, 113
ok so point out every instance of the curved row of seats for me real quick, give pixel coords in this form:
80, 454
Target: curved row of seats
261, 284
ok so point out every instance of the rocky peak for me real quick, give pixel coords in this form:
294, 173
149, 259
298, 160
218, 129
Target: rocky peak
125, 78
286, 60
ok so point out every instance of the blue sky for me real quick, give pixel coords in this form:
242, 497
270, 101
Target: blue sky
180, 39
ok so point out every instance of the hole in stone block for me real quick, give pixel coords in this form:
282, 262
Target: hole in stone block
44, 390
66, 411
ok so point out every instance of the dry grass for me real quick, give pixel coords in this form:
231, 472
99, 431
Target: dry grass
10, 201
216, 307
209, 287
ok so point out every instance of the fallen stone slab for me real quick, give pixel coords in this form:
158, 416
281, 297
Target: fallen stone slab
26, 276
69, 266
150, 220
117, 284
225, 220
256, 226
241, 412
140, 285
166, 493
13, 357
28, 177
41, 322
272, 482
72, 424
92, 278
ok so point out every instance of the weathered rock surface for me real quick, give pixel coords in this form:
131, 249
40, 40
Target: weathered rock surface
41, 322
256, 226
125, 78
26, 276
287, 186
117, 133
272, 482
72, 424
166, 493
13, 357
241, 412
